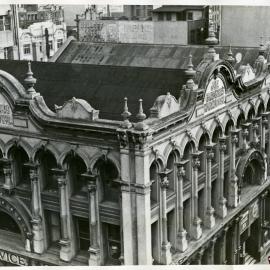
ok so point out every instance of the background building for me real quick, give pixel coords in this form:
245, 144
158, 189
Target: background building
243, 20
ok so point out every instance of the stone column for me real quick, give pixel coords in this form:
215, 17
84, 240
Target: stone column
143, 208
37, 230
196, 223
222, 209
65, 251
8, 185
255, 129
94, 249
166, 256
210, 251
268, 149
209, 220
233, 187
245, 135
237, 238
181, 243
265, 117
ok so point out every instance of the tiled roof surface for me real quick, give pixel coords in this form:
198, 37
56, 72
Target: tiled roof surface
104, 87
145, 55
175, 8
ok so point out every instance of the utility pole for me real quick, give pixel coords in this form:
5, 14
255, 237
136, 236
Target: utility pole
15, 29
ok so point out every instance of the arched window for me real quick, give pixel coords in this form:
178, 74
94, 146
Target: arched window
204, 140
253, 174
260, 109
108, 172
47, 162
251, 114
172, 176
8, 224
76, 168
154, 187
215, 139
240, 120
187, 155
20, 172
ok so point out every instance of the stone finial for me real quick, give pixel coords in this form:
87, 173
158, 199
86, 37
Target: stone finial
126, 114
190, 73
262, 47
230, 57
30, 81
141, 117
211, 41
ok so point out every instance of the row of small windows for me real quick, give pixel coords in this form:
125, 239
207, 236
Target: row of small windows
27, 47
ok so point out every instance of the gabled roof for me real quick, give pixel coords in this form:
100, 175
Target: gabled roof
147, 55
103, 87
175, 8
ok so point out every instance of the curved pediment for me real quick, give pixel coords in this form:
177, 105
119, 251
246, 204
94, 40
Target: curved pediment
78, 109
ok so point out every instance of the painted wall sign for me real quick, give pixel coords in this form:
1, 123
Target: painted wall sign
214, 95
12, 258
6, 117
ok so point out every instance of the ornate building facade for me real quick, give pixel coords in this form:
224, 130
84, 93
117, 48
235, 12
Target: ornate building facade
186, 184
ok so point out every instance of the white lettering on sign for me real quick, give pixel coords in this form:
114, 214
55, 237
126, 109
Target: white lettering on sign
12, 258
214, 95
6, 118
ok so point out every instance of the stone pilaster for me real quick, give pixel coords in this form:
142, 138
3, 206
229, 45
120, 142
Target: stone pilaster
233, 187
196, 222
37, 229
181, 242
65, 250
210, 251
222, 209
166, 256
127, 210
222, 246
143, 208
8, 185
94, 249
209, 220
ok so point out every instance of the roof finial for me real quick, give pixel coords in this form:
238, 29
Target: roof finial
211, 41
126, 114
30, 81
230, 57
141, 116
190, 73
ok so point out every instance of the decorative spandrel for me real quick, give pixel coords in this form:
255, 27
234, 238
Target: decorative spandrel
6, 116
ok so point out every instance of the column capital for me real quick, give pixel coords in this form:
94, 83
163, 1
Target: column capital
164, 178
196, 159
265, 118
33, 167
255, 122
210, 150
181, 167
91, 181
245, 125
222, 143
6, 162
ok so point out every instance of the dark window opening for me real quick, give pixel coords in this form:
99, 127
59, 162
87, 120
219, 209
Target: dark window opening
83, 234
53, 227
8, 224
108, 173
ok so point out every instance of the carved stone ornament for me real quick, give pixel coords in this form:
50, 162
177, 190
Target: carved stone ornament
164, 105
77, 109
